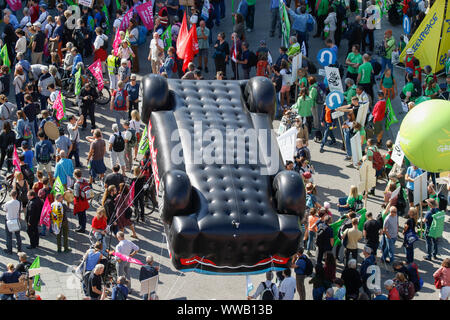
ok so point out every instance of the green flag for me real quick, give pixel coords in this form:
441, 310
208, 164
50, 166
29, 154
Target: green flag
105, 11
5, 57
437, 225
391, 118
335, 227
167, 38
70, 3
285, 24
232, 10
143, 144
77, 83
362, 218
118, 4
37, 279
63, 100
58, 187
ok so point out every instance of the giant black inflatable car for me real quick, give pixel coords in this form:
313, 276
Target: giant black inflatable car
227, 204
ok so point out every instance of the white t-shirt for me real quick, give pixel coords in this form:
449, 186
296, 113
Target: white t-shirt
73, 133
117, 23
54, 95
284, 77
113, 136
134, 35
287, 286
136, 125
18, 83
125, 52
21, 45
99, 41
154, 49
12, 208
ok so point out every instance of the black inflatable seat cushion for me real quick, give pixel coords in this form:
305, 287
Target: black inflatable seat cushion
231, 225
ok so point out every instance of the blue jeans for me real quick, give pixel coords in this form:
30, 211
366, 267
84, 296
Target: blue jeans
389, 249
432, 246
328, 132
275, 17
82, 220
318, 293
310, 243
75, 153
120, 116
384, 62
33, 131
9, 240
347, 138
19, 100
217, 12
409, 250
250, 18
303, 37
44, 229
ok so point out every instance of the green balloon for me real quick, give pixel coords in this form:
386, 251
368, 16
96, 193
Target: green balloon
425, 135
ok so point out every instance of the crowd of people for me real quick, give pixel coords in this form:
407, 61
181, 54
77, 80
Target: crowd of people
44, 48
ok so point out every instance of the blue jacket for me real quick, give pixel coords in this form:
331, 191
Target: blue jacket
299, 20
369, 261
63, 169
301, 263
77, 59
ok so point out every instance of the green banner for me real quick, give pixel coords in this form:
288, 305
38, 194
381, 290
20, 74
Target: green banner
77, 83
285, 24
335, 227
105, 11
37, 279
437, 225
143, 144
58, 187
362, 218
5, 57
167, 38
391, 118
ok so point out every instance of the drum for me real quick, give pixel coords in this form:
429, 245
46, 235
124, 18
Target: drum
68, 196
51, 130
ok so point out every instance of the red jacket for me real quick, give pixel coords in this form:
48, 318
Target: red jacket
393, 294
379, 110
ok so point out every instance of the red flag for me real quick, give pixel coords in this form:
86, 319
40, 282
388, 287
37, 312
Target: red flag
182, 38
131, 196
16, 160
191, 45
45, 213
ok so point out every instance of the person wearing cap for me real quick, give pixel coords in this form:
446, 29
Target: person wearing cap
431, 243
43, 15
266, 284
124, 71
132, 88
88, 95
378, 294
37, 47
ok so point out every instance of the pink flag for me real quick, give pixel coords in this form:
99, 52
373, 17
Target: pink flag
116, 43
96, 70
145, 11
126, 20
16, 161
14, 4
45, 214
58, 105
127, 258
131, 196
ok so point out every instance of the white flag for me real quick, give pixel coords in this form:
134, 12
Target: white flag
249, 285
304, 49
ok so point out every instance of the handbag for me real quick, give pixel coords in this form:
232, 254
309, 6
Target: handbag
410, 238
13, 225
128, 213
437, 283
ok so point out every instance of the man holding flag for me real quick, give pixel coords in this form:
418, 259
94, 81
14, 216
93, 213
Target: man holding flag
32, 218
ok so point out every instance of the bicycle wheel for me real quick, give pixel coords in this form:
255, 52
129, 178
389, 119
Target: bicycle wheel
3, 192
104, 96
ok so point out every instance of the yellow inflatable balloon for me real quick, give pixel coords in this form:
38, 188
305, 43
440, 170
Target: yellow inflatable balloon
425, 135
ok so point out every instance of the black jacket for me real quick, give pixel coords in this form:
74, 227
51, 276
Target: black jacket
33, 212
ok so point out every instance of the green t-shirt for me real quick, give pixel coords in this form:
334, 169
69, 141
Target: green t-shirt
313, 92
409, 87
421, 99
390, 47
388, 82
365, 70
432, 91
251, 2
304, 106
387, 157
354, 58
371, 150
303, 81
351, 201
350, 93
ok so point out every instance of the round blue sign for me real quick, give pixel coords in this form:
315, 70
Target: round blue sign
326, 57
334, 99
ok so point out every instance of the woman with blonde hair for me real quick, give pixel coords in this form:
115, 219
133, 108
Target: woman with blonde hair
99, 225
135, 124
354, 200
409, 234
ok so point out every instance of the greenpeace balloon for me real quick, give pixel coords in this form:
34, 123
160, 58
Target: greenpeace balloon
425, 135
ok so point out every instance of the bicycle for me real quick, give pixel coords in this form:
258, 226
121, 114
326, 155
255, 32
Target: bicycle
6, 187
68, 89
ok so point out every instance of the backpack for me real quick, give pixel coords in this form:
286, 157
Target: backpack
376, 66
353, 5
378, 162
133, 139
119, 101
27, 131
78, 38
320, 99
308, 266
105, 43
142, 35
380, 220
406, 290
252, 60
358, 205
119, 143
44, 153
86, 191
175, 65
267, 293
321, 235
